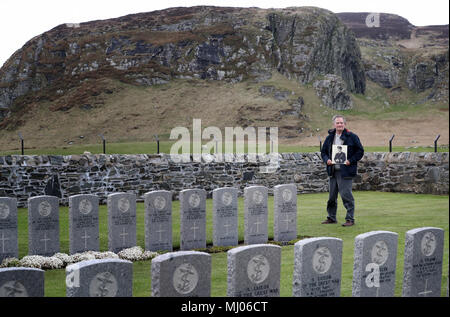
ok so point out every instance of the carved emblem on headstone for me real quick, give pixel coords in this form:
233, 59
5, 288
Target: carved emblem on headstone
287, 195
123, 204
4, 211
428, 244
380, 252
85, 206
13, 289
322, 260
258, 197
185, 278
194, 200
227, 198
159, 202
45, 209
103, 285
258, 269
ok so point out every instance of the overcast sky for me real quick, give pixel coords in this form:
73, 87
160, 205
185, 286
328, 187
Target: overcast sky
22, 20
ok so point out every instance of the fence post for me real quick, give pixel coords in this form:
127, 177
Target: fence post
390, 143
157, 143
435, 142
104, 143
21, 143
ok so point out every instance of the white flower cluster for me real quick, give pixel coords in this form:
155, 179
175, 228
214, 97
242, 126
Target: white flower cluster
61, 260
136, 254
41, 262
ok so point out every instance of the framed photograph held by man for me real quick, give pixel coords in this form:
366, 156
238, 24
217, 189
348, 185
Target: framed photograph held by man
339, 154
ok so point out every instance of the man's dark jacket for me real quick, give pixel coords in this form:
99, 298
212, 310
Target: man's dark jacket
355, 152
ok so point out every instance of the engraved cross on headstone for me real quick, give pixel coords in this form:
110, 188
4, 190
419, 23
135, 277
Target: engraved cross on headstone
425, 292
194, 228
85, 237
287, 220
160, 231
45, 241
123, 235
257, 223
3, 239
227, 225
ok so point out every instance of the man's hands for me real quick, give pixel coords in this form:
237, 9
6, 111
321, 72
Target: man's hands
347, 162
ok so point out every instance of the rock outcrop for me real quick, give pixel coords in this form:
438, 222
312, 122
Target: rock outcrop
399, 54
229, 44
333, 92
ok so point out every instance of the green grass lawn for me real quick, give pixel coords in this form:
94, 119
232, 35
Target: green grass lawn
394, 212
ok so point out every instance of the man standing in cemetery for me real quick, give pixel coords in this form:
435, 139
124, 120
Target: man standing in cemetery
341, 175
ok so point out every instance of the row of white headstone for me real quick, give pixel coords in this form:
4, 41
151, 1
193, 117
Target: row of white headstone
44, 229
255, 270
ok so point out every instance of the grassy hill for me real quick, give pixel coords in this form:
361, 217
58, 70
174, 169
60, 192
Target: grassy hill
408, 97
125, 113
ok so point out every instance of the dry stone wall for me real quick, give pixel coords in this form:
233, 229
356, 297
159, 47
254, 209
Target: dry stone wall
26, 176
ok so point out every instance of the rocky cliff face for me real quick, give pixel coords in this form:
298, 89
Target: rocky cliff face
398, 54
229, 44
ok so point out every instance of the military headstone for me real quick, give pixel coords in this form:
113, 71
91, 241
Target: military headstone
254, 271
225, 217
158, 220
21, 282
43, 225
121, 221
285, 212
83, 223
9, 247
375, 264
422, 273
181, 274
317, 267
255, 215
192, 219
100, 278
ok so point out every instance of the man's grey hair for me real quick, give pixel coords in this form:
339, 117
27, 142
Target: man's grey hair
338, 116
